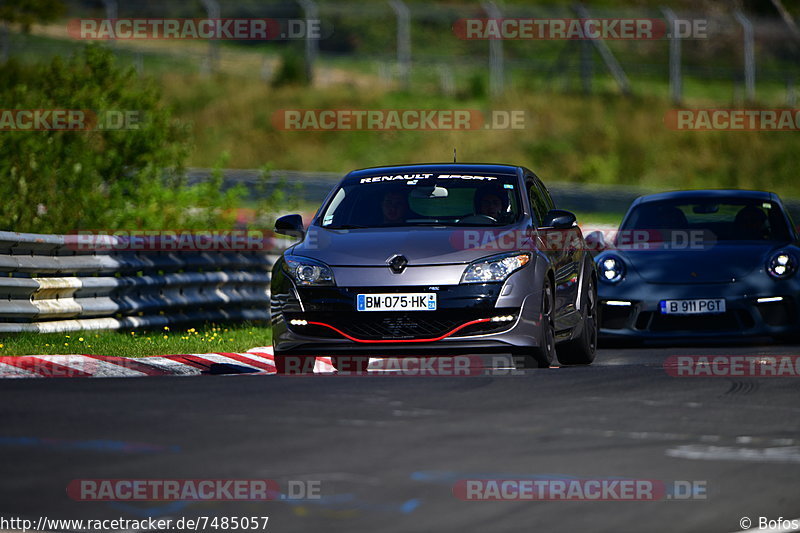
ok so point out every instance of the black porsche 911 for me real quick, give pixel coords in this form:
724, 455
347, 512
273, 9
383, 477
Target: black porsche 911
703, 263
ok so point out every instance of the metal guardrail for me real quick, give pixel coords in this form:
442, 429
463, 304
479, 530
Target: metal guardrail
48, 285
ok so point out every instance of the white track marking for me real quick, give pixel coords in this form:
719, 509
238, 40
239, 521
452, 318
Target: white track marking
778, 454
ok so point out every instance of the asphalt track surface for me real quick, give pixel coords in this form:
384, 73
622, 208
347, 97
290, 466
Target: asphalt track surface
388, 450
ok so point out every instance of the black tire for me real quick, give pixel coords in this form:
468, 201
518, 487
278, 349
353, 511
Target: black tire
294, 364
543, 355
583, 349
349, 363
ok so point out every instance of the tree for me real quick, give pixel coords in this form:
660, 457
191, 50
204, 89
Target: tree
105, 178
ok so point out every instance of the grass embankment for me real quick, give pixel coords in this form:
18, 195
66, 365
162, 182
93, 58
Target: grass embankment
166, 341
605, 139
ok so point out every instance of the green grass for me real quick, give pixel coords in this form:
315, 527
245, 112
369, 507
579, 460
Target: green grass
602, 138
203, 339
587, 220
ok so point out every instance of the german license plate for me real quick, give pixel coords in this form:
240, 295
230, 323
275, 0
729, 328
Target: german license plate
708, 306
420, 301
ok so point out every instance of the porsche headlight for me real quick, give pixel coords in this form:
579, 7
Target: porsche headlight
782, 265
308, 272
612, 269
495, 268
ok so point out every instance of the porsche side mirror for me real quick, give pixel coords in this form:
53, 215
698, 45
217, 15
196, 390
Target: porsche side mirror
595, 242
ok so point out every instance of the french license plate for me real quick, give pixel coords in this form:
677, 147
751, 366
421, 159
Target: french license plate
693, 307
421, 301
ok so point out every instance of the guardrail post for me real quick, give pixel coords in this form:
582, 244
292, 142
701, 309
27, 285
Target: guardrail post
675, 78
213, 13
496, 74
749, 56
310, 12
403, 41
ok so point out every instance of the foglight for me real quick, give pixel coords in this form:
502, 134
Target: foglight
782, 265
504, 318
295, 322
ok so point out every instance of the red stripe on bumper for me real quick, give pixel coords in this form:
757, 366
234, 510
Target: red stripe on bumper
451, 332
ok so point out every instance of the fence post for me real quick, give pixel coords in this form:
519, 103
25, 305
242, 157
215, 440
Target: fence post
611, 61
749, 56
111, 8
586, 65
675, 78
213, 13
496, 75
403, 40
5, 43
111, 14
446, 83
310, 12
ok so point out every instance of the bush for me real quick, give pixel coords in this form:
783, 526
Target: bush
61, 181
292, 70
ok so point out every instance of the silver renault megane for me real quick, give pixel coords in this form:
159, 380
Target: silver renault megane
434, 260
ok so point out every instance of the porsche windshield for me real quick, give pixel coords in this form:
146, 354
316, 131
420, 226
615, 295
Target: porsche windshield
717, 219
423, 200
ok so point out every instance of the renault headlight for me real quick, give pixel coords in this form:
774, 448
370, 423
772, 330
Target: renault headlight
495, 268
308, 272
782, 265
612, 269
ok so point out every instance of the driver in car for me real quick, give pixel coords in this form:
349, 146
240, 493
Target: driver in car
750, 223
491, 204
